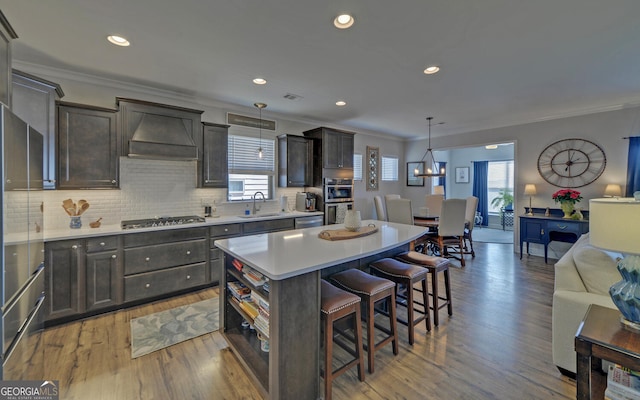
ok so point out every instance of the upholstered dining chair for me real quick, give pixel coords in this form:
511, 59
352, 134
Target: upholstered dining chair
399, 210
469, 222
380, 211
450, 236
434, 203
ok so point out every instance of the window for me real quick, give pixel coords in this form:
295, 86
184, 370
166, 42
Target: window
499, 184
389, 170
249, 174
357, 167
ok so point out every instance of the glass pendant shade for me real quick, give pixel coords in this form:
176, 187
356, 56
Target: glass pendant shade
260, 106
432, 170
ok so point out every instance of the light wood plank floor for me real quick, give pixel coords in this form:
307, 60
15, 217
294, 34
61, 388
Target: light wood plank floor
497, 345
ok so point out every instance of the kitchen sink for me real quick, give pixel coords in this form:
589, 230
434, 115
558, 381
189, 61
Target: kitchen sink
259, 215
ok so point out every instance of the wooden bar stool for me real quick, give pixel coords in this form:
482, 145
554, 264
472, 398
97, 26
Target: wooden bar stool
336, 304
408, 275
372, 289
434, 265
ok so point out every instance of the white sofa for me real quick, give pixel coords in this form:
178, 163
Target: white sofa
582, 277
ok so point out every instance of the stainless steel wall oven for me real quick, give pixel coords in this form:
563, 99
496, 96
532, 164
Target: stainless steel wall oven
338, 198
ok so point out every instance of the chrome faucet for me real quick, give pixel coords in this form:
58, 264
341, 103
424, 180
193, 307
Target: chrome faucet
256, 209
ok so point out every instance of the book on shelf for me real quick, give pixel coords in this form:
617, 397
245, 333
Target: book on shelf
622, 383
262, 324
250, 308
258, 298
254, 277
237, 264
239, 290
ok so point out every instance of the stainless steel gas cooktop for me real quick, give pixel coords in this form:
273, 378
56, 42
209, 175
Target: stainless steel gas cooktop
161, 221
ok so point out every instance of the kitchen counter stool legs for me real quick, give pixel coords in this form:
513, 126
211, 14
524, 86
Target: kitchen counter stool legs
372, 289
335, 305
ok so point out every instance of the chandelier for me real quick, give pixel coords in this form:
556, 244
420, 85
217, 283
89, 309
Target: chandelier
432, 169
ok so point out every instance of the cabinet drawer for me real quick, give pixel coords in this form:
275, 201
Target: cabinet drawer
149, 258
151, 284
560, 226
268, 226
102, 244
160, 237
223, 231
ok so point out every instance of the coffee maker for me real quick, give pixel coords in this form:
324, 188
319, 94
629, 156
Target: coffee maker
305, 201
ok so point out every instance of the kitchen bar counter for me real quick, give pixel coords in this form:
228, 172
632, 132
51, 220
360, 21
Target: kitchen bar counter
106, 230
294, 261
281, 255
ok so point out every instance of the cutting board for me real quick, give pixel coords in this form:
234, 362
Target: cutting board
343, 234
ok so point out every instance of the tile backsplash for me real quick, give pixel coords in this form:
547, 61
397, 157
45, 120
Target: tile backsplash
150, 188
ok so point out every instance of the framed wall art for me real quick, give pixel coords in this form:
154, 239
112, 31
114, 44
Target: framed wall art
462, 174
373, 167
412, 167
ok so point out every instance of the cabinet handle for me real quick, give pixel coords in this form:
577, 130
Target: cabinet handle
226, 229
188, 276
542, 231
147, 259
188, 252
206, 181
113, 181
74, 247
114, 256
562, 226
8, 180
102, 244
148, 285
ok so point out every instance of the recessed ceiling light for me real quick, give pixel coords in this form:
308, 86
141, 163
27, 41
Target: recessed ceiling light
343, 21
341, 103
431, 70
491, 146
259, 81
118, 40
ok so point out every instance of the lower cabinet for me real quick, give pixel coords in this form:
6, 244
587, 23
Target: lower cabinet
64, 260
103, 277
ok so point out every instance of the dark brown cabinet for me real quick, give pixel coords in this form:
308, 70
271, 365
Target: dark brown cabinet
87, 148
103, 278
332, 153
213, 172
294, 161
64, 260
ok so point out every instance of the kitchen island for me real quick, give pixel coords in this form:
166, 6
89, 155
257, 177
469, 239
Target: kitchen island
294, 262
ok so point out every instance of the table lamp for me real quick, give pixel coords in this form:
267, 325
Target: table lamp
530, 190
613, 190
614, 224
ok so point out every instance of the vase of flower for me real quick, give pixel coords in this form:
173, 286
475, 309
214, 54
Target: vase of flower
567, 208
567, 199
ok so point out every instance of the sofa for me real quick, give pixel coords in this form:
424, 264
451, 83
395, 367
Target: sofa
583, 276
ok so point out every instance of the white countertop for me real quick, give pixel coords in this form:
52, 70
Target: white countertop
281, 255
105, 230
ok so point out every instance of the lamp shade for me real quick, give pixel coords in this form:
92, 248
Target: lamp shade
530, 189
614, 224
613, 190
438, 189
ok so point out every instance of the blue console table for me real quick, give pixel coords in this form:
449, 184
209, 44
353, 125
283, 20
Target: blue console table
544, 230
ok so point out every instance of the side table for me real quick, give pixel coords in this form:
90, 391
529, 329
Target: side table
601, 336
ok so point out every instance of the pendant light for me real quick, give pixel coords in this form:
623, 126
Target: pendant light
431, 170
260, 106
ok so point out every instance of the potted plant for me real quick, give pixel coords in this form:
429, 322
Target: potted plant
503, 200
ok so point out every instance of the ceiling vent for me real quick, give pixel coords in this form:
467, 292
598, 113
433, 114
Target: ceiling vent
292, 97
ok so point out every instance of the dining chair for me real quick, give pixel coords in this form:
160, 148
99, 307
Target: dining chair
434, 203
450, 236
469, 222
399, 210
380, 211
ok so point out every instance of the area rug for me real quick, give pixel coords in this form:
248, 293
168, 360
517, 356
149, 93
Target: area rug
488, 235
162, 329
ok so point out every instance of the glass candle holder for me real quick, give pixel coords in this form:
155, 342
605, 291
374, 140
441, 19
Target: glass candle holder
75, 222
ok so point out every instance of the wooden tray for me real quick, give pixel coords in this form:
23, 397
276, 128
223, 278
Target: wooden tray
343, 234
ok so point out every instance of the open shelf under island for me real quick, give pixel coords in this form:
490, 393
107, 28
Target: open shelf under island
294, 262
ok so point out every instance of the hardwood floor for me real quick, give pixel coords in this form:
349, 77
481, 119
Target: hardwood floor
497, 345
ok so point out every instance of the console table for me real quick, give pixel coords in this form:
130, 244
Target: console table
601, 336
544, 230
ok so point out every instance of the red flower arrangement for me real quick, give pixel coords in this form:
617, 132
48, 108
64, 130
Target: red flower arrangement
567, 196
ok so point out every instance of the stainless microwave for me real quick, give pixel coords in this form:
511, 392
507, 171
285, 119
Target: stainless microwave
338, 190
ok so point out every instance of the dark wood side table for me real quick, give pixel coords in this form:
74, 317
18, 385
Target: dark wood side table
601, 336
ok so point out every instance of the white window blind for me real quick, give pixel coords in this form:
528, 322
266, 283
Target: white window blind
389, 170
243, 154
499, 179
357, 167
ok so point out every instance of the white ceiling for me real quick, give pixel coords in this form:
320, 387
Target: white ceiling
503, 62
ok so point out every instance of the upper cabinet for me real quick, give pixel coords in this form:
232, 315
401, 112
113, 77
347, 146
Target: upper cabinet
294, 161
332, 153
213, 173
6, 35
34, 100
87, 155
159, 131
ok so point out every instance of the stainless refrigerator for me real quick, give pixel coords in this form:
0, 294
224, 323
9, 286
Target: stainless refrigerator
22, 280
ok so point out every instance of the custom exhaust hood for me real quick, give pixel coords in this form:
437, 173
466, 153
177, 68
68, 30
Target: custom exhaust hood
158, 131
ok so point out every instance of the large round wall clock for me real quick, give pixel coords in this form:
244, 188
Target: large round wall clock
571, 163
